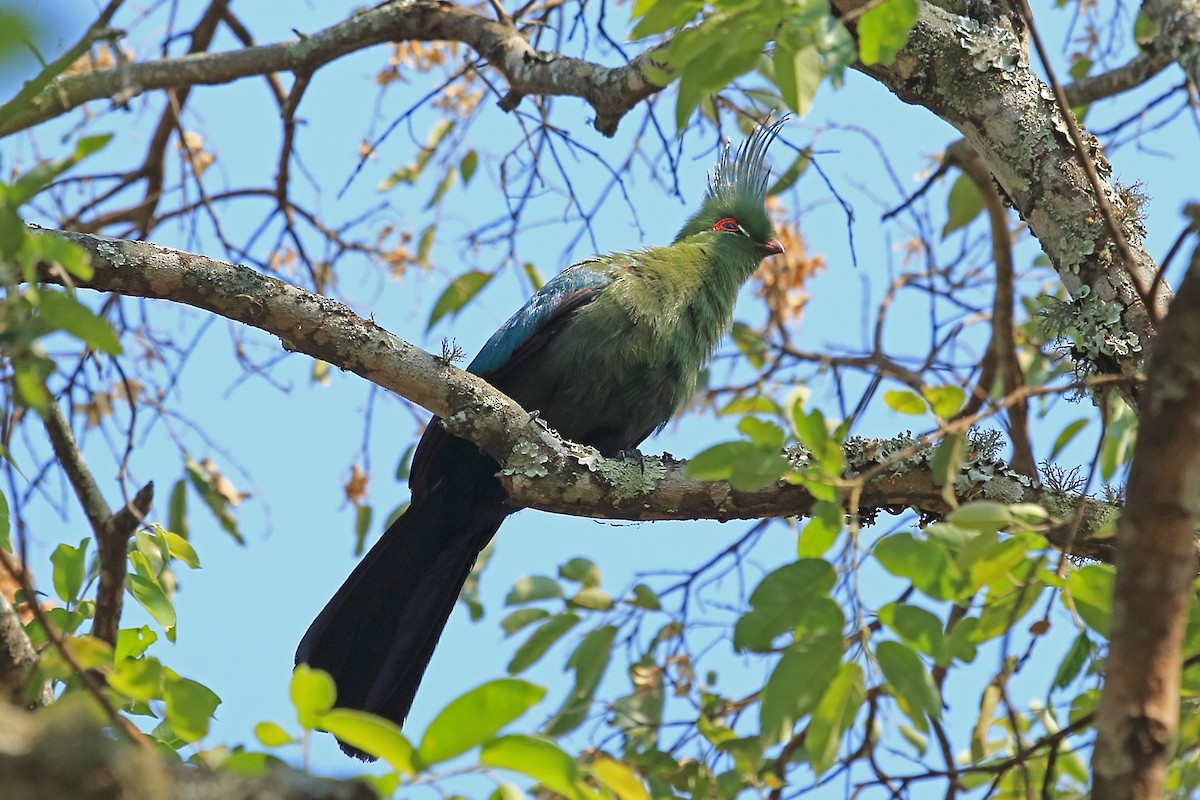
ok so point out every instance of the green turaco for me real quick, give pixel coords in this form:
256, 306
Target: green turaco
605, 352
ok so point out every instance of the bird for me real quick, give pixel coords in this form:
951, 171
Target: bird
605, 353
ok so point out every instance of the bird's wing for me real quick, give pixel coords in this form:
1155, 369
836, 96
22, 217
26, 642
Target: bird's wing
540, 318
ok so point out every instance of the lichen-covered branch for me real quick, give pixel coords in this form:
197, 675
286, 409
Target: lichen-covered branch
17, 655
610, 91
1178, 32
63, 753
539, 468
1156, 565
978, 78
112, 530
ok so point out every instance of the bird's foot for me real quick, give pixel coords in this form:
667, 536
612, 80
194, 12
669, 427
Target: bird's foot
634, 454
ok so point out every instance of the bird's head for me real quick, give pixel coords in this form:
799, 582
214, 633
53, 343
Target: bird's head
735, 203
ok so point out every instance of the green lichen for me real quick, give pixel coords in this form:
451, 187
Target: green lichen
526, 459
631, 477
990, 47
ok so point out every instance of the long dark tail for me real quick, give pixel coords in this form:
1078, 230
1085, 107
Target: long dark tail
376, 636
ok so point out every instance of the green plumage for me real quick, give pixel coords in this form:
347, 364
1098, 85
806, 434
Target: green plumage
605, 352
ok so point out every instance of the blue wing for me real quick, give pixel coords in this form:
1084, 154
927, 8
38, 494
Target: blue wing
541, 316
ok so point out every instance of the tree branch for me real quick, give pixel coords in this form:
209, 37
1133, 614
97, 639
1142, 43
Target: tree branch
612, 92
1138, 713
978, 78
541, 470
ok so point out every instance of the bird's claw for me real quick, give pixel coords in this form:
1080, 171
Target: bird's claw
636, 455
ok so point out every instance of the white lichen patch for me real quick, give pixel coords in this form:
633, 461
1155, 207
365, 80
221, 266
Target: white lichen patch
990, 46
631, 477
526, 459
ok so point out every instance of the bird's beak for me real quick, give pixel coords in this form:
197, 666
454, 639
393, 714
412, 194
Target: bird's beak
771, 248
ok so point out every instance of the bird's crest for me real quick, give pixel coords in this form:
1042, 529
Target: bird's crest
744, 175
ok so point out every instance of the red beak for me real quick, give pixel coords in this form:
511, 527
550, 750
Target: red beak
771, 248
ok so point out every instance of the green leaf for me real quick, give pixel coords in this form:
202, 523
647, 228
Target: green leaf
590, 660
619, 779
371, 734
833, 715
217, 503
181, 549
272, 734
821, 531
5, 524
905, 402
139, 679
468, 165
644, 597
475, 717
457, 295
36, 179
132, 642
917, 627
927, 564
1091, 590
798, 73
780, 602
537, 758
766, 435
797, 683
531, 588
69, 570
986, 516
592, 597
1064, 438
149, 593
883, 30
190, 708
520, 618
659, 16
944, 401
580, 570
313, 693
1072, 663
911, 684
963, 204
789, 176
540, 640
63, 312
444, 185
745, 465
177, 519
54, 250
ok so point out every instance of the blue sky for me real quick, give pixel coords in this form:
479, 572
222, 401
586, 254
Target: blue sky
243, 613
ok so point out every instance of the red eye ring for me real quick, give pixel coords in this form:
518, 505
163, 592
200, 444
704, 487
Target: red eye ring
729, 225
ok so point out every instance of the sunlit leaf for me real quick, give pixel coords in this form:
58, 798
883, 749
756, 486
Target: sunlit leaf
69, 570
832, 716
780, 602
272, 734
963, 204
884, 28
476, 716
371, 734
589, 661
313, 693
63, 312
797, 683
905, 402
190, 707
540, 641
910, 682
457, 295
149, 593
531, 588
536, 758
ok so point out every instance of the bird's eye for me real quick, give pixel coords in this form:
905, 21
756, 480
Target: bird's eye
729, 225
